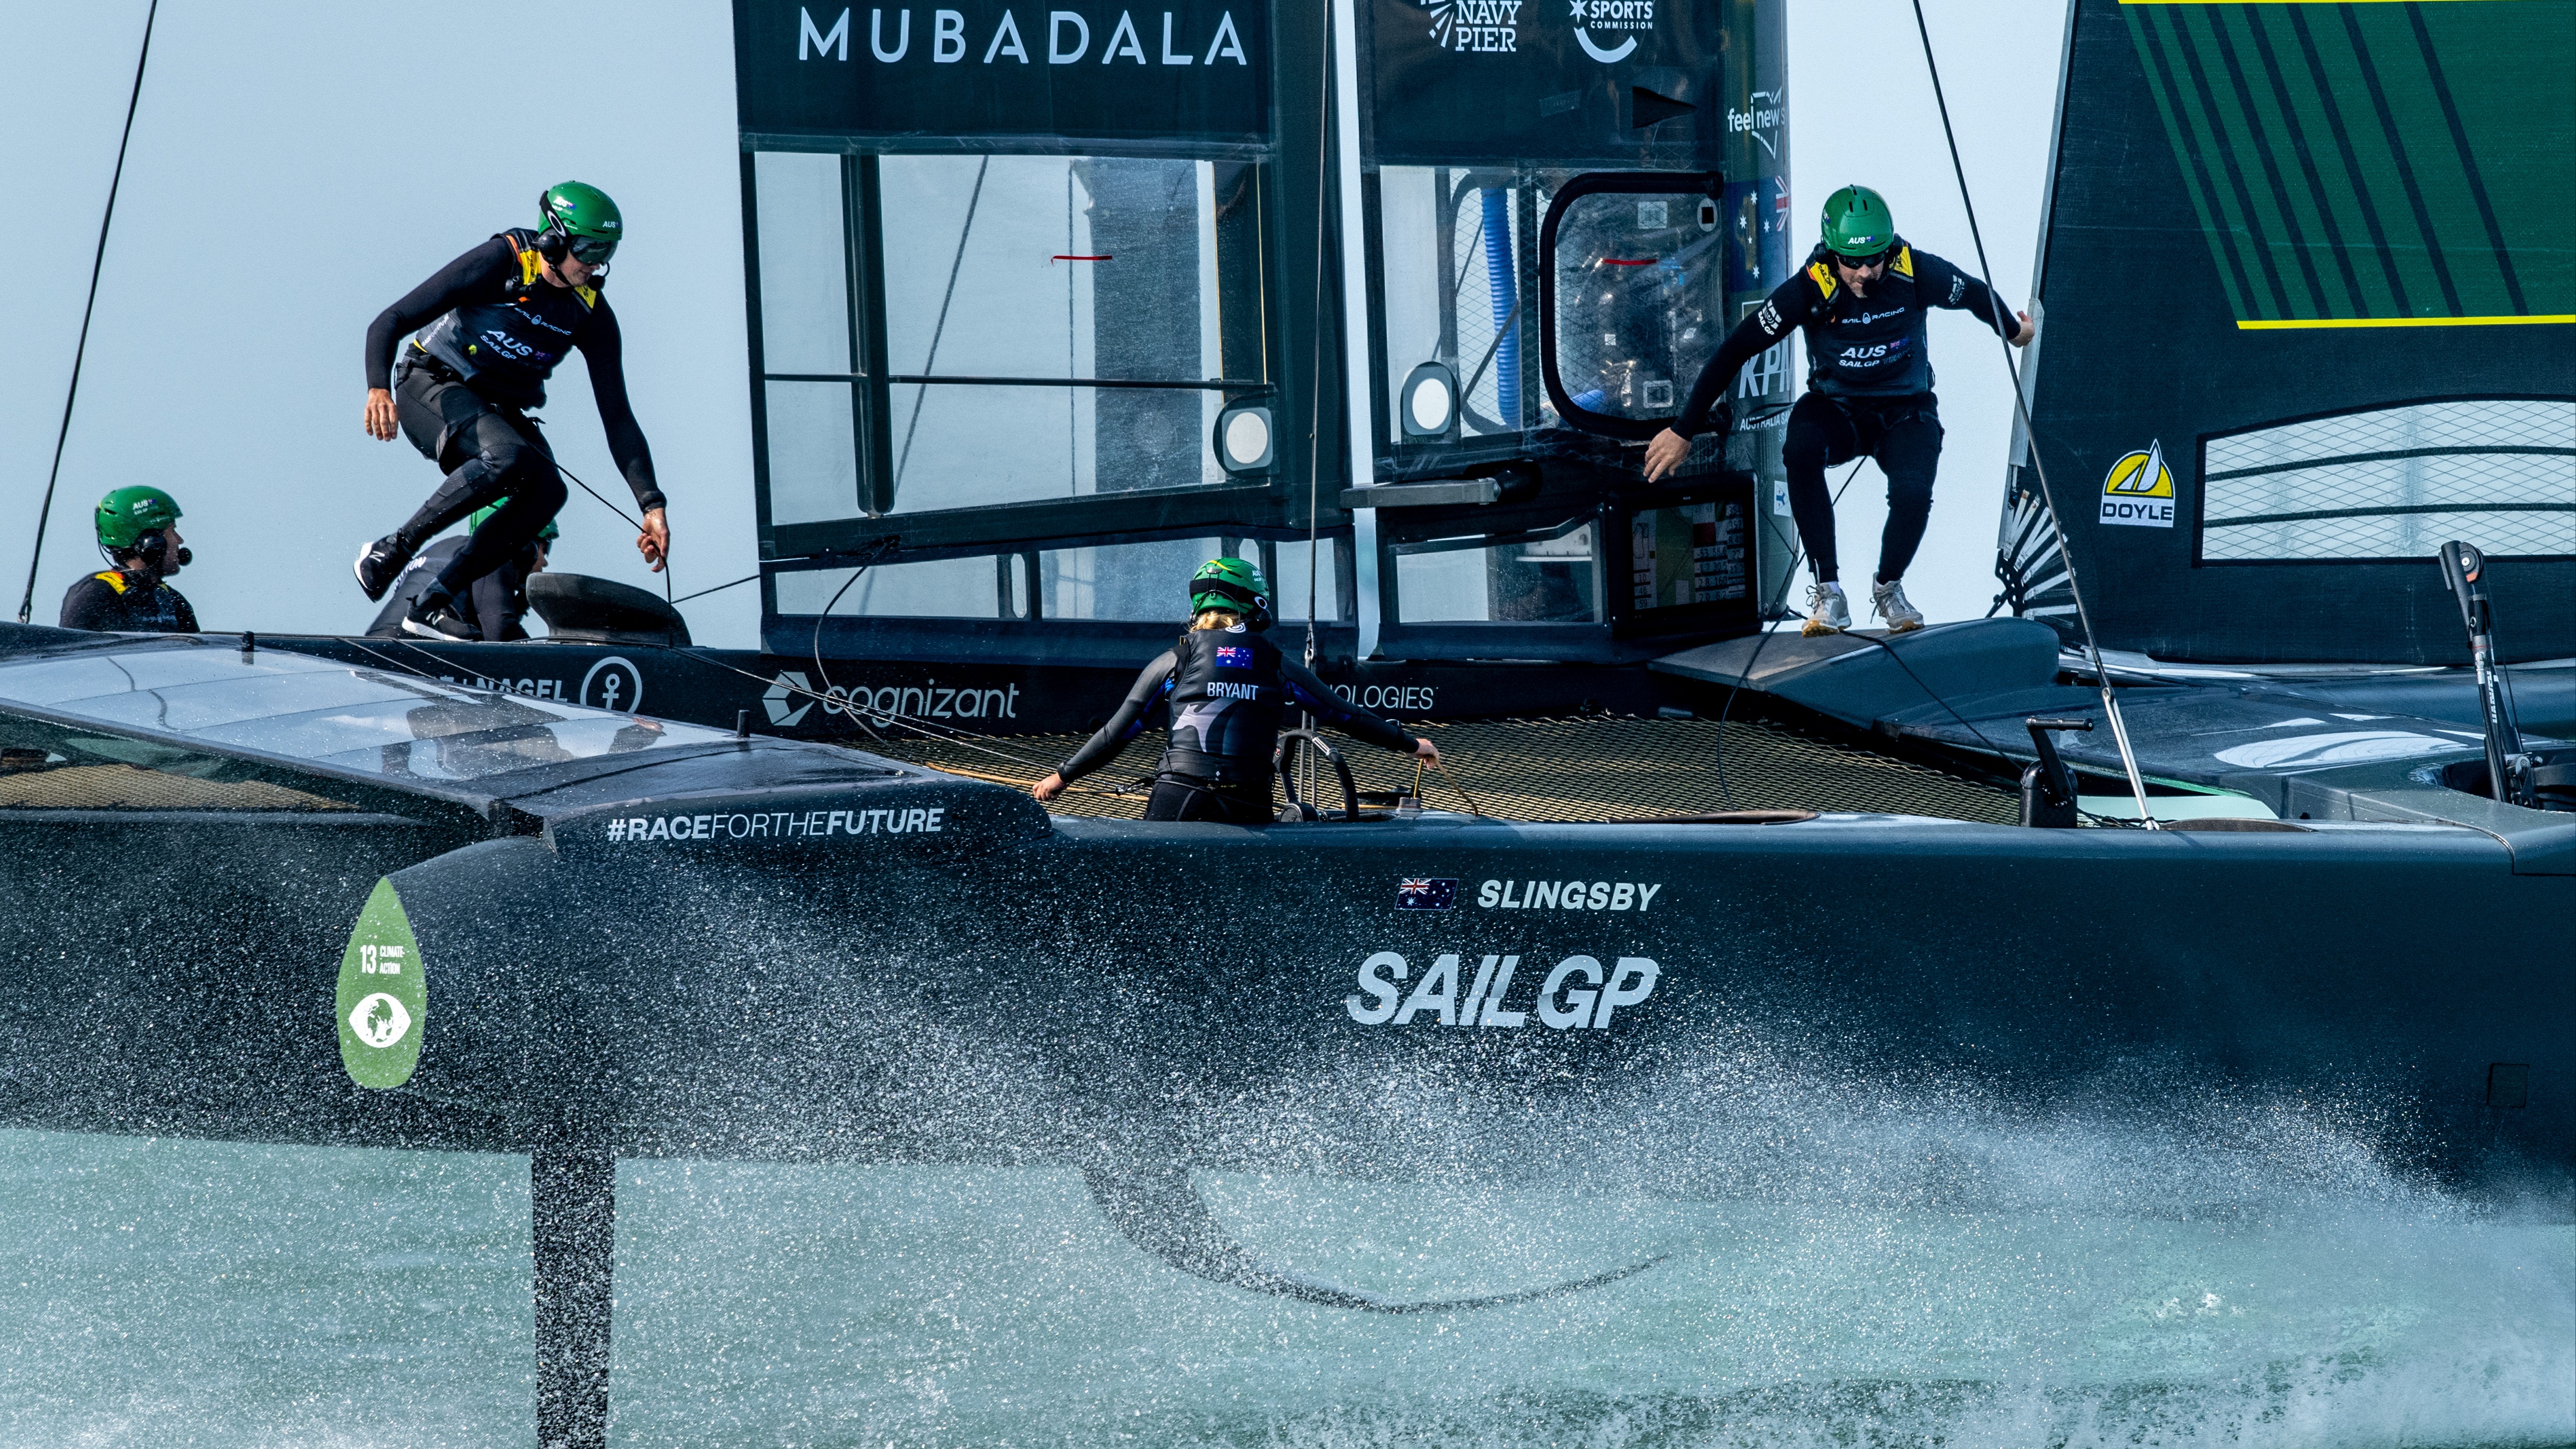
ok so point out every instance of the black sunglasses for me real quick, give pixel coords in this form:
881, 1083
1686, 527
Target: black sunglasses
1857, 264
593, 250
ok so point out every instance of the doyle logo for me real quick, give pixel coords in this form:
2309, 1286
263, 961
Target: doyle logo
1568, 895
1612, 18
1065, 34
1578, 993
1421, 893
776, 825
2138, 491
1490, 26
379, 1020
1233, 656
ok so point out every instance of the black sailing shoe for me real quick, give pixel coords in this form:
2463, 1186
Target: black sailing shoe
379, 564
436, 618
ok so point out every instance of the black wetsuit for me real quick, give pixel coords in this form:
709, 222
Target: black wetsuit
1226, 689
1869, 389
496, 330
127, 601
495, 605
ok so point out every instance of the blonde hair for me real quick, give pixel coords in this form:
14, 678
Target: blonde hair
1216, 619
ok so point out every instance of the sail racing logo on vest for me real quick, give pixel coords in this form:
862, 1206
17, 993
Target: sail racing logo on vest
1579, 992
1065, 34
2139, 490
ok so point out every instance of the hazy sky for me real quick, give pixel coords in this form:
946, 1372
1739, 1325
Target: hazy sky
295, 167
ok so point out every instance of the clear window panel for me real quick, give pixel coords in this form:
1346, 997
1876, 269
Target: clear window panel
1549, 580
949, 588
2391, 483
1289, 583
1056, 268
1639, 287
1454, 292
804, 271
1129, 581
813, 453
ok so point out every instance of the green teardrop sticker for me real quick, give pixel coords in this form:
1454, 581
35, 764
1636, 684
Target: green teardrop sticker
383, 1002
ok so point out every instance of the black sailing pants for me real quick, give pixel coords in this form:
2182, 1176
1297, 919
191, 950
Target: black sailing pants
1185, 797
490, 454
1901, 434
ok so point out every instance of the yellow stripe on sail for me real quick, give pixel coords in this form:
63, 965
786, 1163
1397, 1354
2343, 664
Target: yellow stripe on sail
2296, 323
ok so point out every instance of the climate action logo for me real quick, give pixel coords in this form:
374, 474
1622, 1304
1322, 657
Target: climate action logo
383, 1002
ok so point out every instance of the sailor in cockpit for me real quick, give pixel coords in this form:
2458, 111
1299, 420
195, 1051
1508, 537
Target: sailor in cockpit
1226, 688
138, 531
1862, 298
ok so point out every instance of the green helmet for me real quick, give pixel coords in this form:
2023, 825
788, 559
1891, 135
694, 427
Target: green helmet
129, 513
474, 520
1230, 583
586, 219
1857, 223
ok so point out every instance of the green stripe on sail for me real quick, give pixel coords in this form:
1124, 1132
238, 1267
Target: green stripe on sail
2364, 161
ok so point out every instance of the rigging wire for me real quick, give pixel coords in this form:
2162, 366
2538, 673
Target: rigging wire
1788, 577
98, 260
1315, 394
2021, 407
930, 364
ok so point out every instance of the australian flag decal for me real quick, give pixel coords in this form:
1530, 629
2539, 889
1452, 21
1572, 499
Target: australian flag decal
1233, 656
1420, 894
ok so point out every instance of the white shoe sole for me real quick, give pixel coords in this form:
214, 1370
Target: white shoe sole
426, 632
358, 568
1818, 628
1904, 626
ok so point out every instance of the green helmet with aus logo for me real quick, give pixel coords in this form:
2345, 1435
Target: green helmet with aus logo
129, 513
1231, 583
577, 217
1857, 223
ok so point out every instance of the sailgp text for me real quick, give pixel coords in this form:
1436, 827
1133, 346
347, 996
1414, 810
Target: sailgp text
1579, 992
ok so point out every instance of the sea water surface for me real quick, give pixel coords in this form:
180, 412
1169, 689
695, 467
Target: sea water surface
1910, 1272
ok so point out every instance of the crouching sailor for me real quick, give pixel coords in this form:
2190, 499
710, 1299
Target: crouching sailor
1226, 687
138, 531
1862, 300
500, 319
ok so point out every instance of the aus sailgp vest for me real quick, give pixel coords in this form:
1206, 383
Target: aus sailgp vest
506, 346
1226, 701
1872, 346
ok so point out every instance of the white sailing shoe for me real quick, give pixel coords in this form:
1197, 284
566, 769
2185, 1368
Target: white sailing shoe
1828, 612
1887, 600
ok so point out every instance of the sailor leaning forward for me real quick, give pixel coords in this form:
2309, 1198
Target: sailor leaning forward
1226, 687
499, 320
1862, 298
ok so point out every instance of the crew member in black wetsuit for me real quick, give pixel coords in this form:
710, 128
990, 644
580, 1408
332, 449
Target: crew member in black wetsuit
500, 319
1862, 299
138, 531
1226, 687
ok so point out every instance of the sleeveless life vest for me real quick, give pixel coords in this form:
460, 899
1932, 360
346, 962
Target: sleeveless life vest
160, 609
508, 345
1869, 346
1226, 699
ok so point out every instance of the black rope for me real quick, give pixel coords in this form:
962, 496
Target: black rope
1788, 577
97, 261
930, 363
2021, 409
718, 589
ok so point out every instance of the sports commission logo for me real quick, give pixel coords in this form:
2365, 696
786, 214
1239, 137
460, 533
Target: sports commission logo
2139, 490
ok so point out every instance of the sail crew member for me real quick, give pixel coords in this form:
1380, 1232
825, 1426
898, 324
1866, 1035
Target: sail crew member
138, 532
1862, 298
499, 319
1226, 687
